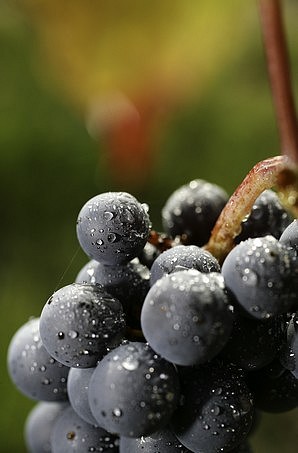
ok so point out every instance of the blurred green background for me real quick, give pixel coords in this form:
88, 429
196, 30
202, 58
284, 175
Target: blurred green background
49, 167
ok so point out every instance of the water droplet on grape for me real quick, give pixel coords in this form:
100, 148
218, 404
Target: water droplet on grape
130, 364
249, 277
72, 334
108, 215
117, 412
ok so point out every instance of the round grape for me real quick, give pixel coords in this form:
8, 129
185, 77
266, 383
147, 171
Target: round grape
129, 283
71, 434
33, 370
253, 343
267, 217
193, 210
263, 276
113, 227
79, 322
290, 236
133, 391
216, 408
39, 425
77, 389
86, 274
183, 257
186, 317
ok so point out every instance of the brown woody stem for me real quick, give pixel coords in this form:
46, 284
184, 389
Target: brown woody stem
276, 171
279, 74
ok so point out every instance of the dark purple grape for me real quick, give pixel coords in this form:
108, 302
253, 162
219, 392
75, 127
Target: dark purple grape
113, 227
267, 217
148, 255
290, 236
71, 434
193, 210
32, 369
77, 388
162, 441
275, 389
253, 343
289, 351
79, 322
39, 425
86, 274
133, 391
186, 317
183, 257
129, 283
263, 277
216, 408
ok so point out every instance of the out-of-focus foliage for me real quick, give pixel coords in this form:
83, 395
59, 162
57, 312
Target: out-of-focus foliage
49, 167
126, 63
163, 48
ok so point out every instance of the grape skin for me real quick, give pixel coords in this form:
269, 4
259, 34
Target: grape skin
71, 434
162, 441
289, 351
39, 425
267, 217
262, 274
133, 391
253, 343
77, 389
129, 283
193, 210
183, 257
113, 227
32, 369
79, 322
187, 317
86, 274
216, 409
290, 236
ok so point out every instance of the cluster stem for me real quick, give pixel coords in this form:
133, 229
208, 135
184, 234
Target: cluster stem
275, 46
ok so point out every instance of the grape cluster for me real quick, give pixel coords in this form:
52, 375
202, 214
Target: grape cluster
164, 351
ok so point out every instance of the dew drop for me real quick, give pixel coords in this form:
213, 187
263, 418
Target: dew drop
217, 391
108, 215
130, 364
249, 277
117, 412
72, 334
112, 237
127, 216
215, 410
